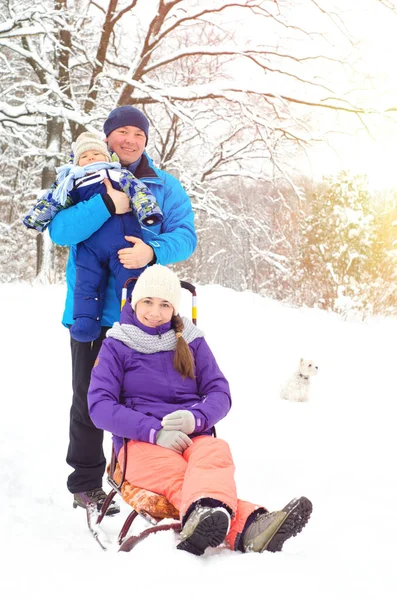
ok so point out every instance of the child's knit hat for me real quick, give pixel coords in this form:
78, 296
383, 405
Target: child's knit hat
158, 282
89, 141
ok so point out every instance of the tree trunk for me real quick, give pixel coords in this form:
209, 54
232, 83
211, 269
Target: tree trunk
45, 251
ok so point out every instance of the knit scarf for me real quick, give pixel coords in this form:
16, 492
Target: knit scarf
67, 174
146, 343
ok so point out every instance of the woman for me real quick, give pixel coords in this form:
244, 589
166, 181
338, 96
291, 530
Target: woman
156, 382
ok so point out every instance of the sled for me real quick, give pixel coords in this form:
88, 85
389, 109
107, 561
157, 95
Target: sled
152, 507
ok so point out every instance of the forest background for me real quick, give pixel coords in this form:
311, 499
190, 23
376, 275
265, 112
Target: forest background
278, 117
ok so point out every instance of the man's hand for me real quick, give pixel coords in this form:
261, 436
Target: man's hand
173, 440
138, 256
120, 199
179, 420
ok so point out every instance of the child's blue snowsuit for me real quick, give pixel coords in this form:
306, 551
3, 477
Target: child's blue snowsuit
99, 253
95, 257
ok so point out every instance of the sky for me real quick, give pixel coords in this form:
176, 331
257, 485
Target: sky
369, 149
338, 449
371, 83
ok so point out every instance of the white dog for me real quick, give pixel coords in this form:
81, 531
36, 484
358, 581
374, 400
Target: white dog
297, 386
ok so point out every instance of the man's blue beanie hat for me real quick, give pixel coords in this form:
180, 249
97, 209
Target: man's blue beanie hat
123, 116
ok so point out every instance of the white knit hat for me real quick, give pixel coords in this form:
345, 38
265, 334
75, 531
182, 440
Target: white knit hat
89, 141
158, 282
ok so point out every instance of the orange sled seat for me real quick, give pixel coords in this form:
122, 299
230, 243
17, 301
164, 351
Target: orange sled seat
144, 503
147, 503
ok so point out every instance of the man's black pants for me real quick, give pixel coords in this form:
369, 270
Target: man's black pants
85, 453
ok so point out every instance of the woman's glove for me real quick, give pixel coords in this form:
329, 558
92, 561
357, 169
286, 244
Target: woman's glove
180, 420
173, 440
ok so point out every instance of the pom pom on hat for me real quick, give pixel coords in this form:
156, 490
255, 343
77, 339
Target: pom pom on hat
126, 115
89, 141
158, 282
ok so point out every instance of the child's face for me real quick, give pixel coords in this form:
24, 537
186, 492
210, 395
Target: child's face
91, 156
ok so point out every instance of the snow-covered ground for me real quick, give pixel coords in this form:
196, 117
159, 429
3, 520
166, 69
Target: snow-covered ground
339, 450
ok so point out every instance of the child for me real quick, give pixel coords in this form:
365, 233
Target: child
157, 383
87, 176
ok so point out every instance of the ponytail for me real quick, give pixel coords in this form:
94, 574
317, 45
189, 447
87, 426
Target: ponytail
183, 358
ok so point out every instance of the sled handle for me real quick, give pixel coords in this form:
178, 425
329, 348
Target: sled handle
191, 288
124, 291
184, 284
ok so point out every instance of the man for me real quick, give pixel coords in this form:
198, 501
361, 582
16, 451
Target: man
173, 240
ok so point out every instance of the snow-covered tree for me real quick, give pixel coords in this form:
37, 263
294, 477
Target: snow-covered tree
381, 292
224, 102
337, 245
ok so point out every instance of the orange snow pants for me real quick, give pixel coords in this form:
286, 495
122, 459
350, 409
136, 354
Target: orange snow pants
204, 470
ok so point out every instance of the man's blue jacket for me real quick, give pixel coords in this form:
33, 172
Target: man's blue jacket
173, 240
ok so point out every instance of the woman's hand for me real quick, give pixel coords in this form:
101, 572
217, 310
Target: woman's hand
173, 440
179, 420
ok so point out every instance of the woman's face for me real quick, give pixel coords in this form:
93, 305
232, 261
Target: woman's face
153, 312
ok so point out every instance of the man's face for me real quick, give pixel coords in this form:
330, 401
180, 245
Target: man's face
128, 143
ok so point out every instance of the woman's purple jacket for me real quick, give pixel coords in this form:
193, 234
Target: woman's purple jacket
131, 392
